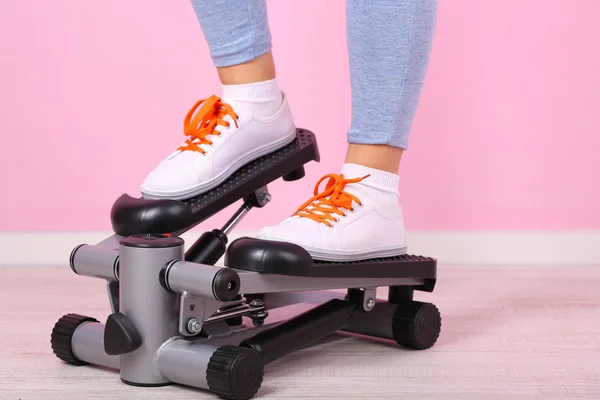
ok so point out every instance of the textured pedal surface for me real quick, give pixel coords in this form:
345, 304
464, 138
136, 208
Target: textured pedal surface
403, 266
234, 372
62, 334
404, 258
130, 216
273, 257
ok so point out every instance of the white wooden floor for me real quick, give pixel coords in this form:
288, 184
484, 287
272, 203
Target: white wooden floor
508, 333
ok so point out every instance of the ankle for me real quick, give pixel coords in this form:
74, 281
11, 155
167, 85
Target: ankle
258, 70
376, 156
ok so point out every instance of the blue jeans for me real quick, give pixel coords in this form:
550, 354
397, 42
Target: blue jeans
389, 43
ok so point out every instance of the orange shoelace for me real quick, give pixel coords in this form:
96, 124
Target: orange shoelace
324, 206
208, 117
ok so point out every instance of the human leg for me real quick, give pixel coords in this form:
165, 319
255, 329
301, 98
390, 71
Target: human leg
389, 43
358, 214
250, 118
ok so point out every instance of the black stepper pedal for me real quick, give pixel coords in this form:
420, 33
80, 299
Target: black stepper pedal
235, 372
132, 216
283, 258
62, 334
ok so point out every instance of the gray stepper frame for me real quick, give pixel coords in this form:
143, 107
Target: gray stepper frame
167, 355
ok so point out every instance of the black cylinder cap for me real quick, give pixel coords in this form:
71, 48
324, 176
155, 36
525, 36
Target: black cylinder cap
151, 240
226, 284
62, 335
416, 325
234, 372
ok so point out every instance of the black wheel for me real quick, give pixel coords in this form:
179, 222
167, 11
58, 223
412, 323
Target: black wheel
235, 372
62, 334
416, 325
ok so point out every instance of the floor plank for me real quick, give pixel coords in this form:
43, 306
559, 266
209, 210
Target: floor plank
509, 332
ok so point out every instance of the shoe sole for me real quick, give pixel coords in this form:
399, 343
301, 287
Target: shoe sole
225, 174
355, 256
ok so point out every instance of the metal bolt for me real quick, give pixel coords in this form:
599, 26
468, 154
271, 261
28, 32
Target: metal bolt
194, 326
229, 286
257, 303
370, 303
267, 197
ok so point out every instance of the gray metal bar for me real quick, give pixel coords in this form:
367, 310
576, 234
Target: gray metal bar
95, 261
197, 280
151, 308
237, 217
184, 362
193, 278
88, 345
254, 282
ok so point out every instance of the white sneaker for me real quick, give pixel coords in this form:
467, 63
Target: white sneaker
356, 217
222, 138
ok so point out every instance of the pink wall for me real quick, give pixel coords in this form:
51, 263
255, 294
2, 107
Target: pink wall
506, 137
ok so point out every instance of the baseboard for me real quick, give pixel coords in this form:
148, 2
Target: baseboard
543, 247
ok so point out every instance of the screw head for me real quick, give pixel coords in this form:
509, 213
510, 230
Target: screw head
257, 303
194, 326
370, 303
